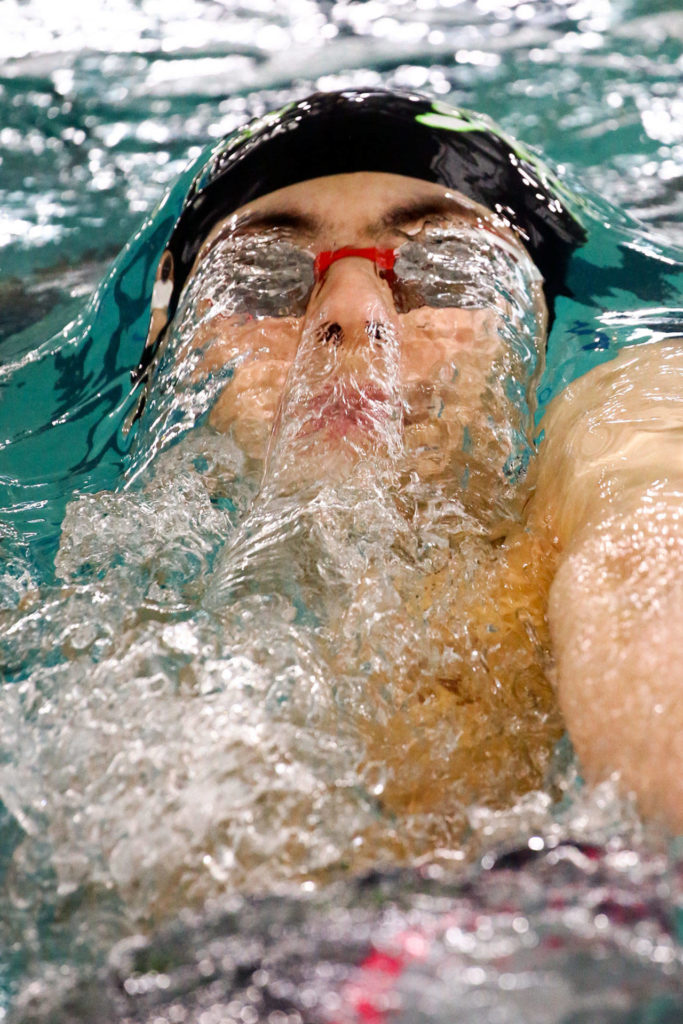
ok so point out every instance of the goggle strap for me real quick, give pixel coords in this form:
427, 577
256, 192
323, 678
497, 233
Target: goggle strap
383, 258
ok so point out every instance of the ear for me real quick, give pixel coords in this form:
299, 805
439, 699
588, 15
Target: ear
158, 321
161, 297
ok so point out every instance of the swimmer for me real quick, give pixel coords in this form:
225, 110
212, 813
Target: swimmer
377, 273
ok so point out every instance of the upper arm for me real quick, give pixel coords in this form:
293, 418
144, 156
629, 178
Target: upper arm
611, 492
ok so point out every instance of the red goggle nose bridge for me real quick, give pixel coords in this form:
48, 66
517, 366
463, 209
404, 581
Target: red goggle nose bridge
384, 258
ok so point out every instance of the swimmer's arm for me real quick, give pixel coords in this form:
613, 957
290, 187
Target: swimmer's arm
611, 491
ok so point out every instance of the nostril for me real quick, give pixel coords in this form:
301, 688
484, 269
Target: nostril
377, 331
330, 333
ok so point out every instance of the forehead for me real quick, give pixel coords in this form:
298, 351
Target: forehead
364, 206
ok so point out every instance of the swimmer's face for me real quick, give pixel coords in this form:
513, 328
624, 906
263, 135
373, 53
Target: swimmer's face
367, 330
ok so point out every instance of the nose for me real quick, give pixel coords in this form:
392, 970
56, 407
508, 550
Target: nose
352, 306
341, 400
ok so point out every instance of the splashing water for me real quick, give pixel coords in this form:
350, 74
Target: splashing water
227, 687
278, 664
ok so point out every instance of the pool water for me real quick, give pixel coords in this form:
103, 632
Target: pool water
188, 715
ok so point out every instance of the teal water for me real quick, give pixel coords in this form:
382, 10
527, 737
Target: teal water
102, 109
93, 136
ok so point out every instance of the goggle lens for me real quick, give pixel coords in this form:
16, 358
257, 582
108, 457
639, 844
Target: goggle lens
266, 275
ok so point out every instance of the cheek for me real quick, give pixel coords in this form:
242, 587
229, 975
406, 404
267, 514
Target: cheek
252, 395
226, 339
440, 345
247, 405
446, 361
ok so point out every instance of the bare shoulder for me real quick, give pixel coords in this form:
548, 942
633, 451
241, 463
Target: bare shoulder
627, 379
611, 434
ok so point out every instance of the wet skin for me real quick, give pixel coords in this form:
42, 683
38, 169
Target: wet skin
614, 517
352, 308
335, 375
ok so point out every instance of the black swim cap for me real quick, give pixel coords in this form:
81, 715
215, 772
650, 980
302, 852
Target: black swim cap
377, 130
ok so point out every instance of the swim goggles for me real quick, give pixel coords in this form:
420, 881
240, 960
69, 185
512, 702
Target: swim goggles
380, 130
369, 130
268, 275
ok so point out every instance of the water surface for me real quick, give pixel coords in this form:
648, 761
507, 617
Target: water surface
157, 748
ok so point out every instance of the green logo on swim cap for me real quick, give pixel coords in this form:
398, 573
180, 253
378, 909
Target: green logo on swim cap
451, 119
457, 120
454, 119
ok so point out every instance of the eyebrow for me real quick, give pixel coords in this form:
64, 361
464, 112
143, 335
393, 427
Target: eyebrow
418, 209
308, 224
397, 216
259, 221
292, 218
